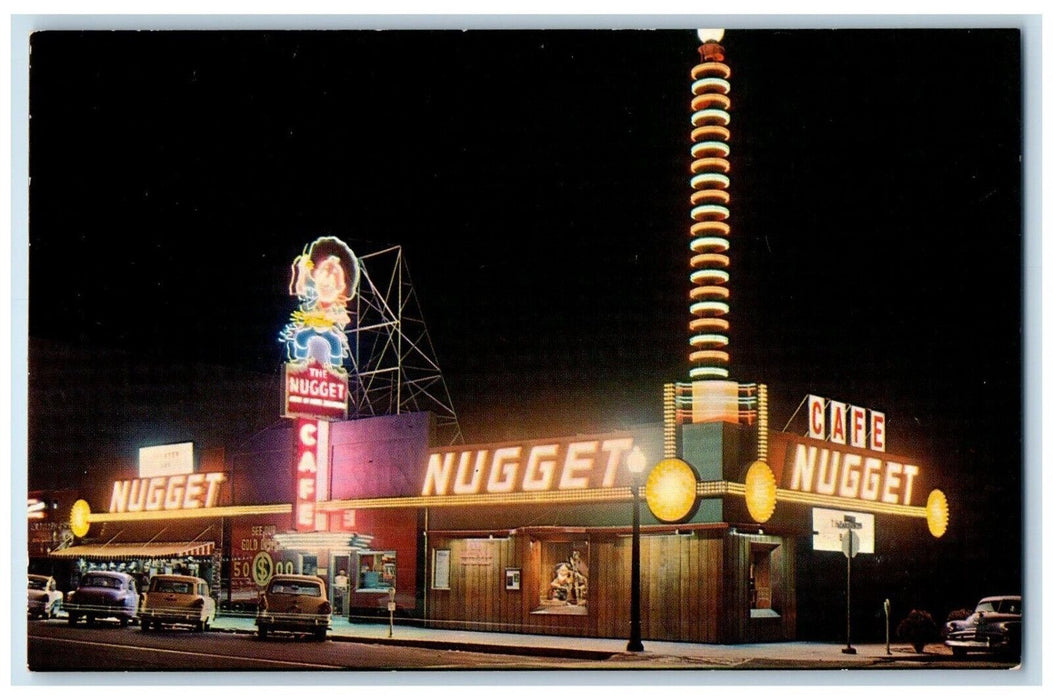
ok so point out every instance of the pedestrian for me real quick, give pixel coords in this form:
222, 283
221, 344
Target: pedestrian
340, 592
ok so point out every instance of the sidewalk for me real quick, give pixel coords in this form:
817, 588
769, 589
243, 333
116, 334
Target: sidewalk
788, 654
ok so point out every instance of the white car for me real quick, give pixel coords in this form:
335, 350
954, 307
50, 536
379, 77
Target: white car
178, 600
45, 598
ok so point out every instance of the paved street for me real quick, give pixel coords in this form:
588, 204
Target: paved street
54, 645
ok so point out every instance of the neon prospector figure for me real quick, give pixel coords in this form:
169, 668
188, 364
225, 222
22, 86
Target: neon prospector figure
325, 278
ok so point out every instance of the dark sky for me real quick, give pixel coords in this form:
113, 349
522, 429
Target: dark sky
538, 183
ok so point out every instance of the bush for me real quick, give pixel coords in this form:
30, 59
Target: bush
918, 629
959, 614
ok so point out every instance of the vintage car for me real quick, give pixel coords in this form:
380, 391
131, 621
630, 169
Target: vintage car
45, 598
177, 600
293, 603
103, 594
993, 626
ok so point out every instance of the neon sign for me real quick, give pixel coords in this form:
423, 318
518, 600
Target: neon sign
845, 424
176, 492
531, 467
312, 439
325, 278
832, 472
315, 391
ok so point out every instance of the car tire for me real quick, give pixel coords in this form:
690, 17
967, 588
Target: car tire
123, 621
958, 652
319, 635
90, 621
144, 625
72, 619
199, 626
262, 632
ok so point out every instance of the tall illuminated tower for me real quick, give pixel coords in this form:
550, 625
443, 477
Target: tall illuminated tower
710, 395
709, 295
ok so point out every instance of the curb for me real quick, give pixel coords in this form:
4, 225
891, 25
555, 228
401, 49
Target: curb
441, 645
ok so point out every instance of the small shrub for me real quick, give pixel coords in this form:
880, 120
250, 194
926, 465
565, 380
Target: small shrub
918, 629
959, 614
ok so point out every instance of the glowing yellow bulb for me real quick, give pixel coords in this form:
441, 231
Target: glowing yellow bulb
710, 34
760, 491
671, 490
78, 518
937, 513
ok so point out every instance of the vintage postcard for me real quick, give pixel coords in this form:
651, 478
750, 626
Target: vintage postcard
487, 349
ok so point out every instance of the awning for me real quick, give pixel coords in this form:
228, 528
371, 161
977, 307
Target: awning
135, 550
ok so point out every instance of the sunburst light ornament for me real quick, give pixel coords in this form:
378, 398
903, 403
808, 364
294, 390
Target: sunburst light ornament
937, 513
672, 489
760, 491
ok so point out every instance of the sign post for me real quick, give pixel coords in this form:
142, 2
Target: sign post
850, 544
391, 613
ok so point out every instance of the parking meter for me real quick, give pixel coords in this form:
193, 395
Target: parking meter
888, 649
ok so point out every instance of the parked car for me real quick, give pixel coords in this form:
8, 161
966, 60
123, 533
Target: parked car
177, 600
104, 594
993, 626
45, 598
293, 603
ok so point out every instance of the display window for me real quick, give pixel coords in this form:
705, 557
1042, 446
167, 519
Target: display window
376, 571
564, 581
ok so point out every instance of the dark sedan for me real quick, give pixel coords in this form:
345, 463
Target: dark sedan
993, 626
104, 594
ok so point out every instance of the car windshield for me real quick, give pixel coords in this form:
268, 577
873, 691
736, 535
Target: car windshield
100, 582
296, 588
1006, 607
171, 586
38, 584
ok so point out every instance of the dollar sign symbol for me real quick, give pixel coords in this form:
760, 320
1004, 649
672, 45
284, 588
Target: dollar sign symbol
262, 568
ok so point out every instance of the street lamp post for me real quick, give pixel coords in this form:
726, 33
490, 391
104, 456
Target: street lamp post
636, 462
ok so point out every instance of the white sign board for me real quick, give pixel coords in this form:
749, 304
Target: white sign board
829, 527
166, 460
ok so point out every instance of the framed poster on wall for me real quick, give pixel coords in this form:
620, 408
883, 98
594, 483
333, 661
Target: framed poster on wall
440, 569
512, 577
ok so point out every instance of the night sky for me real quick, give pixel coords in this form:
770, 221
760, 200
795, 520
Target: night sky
538, 183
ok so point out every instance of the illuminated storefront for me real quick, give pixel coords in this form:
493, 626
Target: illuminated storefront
525, 536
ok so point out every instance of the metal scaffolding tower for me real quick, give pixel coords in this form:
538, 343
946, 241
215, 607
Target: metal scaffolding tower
393, 367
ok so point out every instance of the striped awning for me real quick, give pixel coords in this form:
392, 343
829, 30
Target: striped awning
135, 550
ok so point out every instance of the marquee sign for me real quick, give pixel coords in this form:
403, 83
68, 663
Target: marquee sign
527, 467
829, 528
166, 460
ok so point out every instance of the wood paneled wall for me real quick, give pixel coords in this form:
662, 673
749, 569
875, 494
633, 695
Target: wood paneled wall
694, 587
